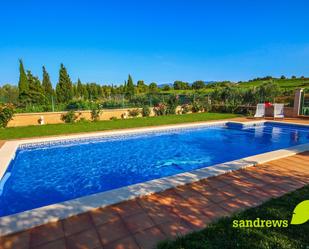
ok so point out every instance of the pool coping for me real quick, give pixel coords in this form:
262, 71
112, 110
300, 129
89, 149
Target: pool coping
35, 217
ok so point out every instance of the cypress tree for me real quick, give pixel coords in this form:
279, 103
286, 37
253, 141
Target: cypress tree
23, 85
130, 86
112, 89
80, 89
64, 88
85, 94
125, 87
88, 91
47, 86
75, 90
35, 89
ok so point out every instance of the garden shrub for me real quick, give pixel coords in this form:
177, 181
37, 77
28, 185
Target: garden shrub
139, 100
185, 108
172, 104
134, 113
95, 113
218, 108
206, 107
160, 109
6, 114
145, 111
196, 107
69, 117
250, 113
78, 105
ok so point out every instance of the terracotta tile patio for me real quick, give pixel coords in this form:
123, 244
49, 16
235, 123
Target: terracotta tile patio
143, 222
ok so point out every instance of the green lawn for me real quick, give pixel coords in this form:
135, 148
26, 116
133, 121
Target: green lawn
221, 235
56, 129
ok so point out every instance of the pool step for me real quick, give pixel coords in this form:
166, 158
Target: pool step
237, 125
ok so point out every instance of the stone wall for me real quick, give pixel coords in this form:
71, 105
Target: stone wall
288, 112
25, 119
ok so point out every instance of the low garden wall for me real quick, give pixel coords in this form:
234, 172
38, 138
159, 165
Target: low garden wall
25, 119
288, 112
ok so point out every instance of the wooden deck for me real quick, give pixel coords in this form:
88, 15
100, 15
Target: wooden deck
143, 222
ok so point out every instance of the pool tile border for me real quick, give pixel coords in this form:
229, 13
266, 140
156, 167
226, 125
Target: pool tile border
28, 219
112, 137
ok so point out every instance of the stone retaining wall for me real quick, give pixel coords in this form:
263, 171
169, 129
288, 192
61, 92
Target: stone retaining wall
25, 119
288, 112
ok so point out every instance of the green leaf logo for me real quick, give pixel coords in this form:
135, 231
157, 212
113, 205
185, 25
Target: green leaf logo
301, 213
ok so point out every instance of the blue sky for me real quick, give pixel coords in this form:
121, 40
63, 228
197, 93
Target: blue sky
160, 41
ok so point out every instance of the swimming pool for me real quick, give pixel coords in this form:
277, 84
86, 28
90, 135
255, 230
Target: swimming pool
53, 172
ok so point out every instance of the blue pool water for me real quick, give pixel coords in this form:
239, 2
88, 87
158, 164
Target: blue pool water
47, 174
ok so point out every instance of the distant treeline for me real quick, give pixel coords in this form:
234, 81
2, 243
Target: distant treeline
31, 91
282, 78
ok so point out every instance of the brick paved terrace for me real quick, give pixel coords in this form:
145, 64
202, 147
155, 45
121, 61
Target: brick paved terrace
143, 222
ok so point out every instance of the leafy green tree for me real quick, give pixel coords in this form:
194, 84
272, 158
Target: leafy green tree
172, 103
130, 86
229, 97
199, 84
94, 91
8, 94
268, 92
23, 85
140, 83
64, 88
250, 96
47, 86
166, 88
141, 87
180, 85
153, 87
215, 96
6, 114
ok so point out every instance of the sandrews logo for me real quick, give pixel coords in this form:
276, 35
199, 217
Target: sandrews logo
300, 216
300, 213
